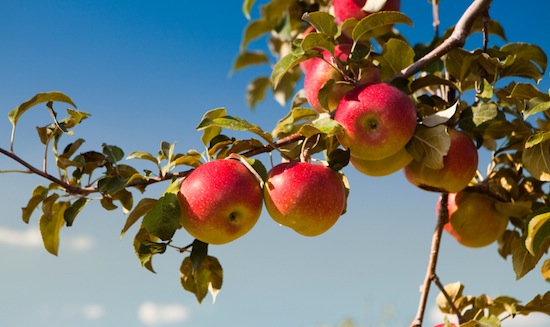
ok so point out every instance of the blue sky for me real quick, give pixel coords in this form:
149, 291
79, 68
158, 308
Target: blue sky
147, 71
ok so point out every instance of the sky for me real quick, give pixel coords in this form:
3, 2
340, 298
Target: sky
147, 71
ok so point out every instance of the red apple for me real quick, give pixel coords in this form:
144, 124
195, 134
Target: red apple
473, 219
382, 167
345, 9
220, 201
306, 197
378, 121
459, 167
320, 71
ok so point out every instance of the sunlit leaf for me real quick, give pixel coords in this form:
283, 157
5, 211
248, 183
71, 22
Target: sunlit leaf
440, 117
540, 303
16, 112
255, 91
145, 247
51, 222
454, 291
142, 155
142, 208
73, 210
378, 19
249, 58
163, 219
538, 231
430, 145
484, 112
322, 21
212, 131
528, 52
234, 123
522, 261
545, 270
38, 195
536, 159
284, 65
396, 55
208, 277
247, 6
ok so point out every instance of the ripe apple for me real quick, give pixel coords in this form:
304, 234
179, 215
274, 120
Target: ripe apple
382, 167
378, 121
459, 167
345, 9
306, 197
473, 219
320, 71
220, 201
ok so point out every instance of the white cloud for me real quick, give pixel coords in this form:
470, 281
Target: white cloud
533, 320
153, 314
31, 237
93, 311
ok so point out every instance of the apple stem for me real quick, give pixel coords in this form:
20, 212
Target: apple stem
442, 218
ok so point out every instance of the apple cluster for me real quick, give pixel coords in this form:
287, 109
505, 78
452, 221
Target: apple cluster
222, 200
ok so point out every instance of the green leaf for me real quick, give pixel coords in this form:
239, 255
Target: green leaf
284, 65
430, 80
234, 123
249, 58
247, 6
16, 112
534, 106
74, 209
163, 219
296, 115
459, 63
315, 41
113, 153
51, 222
254, 30
538, 230
212, 131
440, 117
454, 291
430, 145
322, 21
545, 270
484, 112
536, 159
396, 55
145, 247
142, 208
38, 195
142, 155
540, 303
199, 252
107, 203
376, 20
522, 261
208, 277
192, 159
528, 52
255, 91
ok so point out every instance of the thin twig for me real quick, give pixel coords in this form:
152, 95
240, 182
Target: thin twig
456, 40
435, 14
442, 218
441, 287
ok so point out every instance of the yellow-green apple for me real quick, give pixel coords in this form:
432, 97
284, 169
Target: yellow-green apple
378, 121
307, 197
220, 201
474, 220
459, 167
382, 167
359, 9
320, 72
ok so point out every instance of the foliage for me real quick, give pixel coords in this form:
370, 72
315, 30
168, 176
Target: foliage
490, 93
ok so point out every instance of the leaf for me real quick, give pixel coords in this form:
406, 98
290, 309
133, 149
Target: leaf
522, 261
145, 247
287, 124
540, 106
16, 112
38, 195
538, 230
545, 270
322, 21
254, 30
458, 63
113, 153
540, 303
199, 252
376, 20
255, 91
430, 80
247, 6
430, 145
249, 58
284, 65
374, 5
142, 208
396, 55
528, 52
51, 222
143, 156
484, 112
454, 291
234, 123
210, 132
440, 117
163, 219
74, 209
208, 277
313, 42
536, 159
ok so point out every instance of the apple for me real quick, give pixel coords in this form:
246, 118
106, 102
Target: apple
220, 201
459, 167
320, 71
307, 197
382, 167
345, 9
378, 120
474, 220
445, 325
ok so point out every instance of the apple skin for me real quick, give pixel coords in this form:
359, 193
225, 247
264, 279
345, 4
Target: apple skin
382, 167
378, 121
220, 201
473, 219
345, 9
319, 72
307, 197
443, 325
459, 167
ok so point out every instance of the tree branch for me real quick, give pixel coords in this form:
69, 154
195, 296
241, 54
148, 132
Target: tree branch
456, 40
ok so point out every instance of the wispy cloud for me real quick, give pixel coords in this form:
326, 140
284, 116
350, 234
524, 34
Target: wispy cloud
153, 314
93, 311
533, 320
31, 238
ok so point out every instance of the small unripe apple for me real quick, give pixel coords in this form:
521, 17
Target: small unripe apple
459, 167
307, 197
220, 201
319, 72
378, 121
382, 167
474, 220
